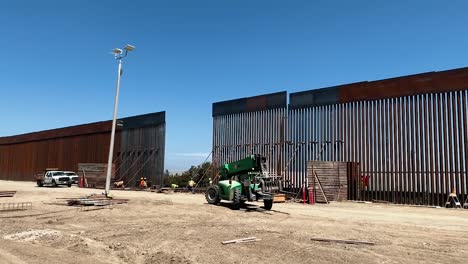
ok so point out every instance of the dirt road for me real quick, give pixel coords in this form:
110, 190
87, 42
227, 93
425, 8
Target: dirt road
182, 228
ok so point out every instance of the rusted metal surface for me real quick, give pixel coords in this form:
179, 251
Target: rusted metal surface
21, 161
250, 104
23, 156
237, 135
425, 83
93, 128
142, 149
418, 84
404, 160
408, 134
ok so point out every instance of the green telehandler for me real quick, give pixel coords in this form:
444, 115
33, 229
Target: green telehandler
241, 181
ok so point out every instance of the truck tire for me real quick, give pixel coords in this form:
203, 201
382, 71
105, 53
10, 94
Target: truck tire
69, 185
268, 204
39, 183
236, 199
54, 184
212, 195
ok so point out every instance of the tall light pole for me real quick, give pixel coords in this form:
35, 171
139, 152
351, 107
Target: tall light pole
119, 55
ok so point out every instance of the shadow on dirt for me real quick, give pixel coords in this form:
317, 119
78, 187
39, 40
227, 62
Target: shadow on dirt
249, 208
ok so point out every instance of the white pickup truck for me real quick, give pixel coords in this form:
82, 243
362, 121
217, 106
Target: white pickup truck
53, 178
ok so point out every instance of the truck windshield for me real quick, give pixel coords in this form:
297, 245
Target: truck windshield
70, 174
60, 173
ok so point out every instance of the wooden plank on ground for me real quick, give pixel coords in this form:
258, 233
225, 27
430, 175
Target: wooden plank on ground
342, 241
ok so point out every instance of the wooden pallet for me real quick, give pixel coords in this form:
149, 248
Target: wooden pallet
279, 198
328, 180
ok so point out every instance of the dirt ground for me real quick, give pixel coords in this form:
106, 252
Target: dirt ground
183, 228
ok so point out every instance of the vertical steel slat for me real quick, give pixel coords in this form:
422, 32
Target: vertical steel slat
352, 139
430, 121
380, 151
390, 168
456, 144
426, 121
367, 145
459, 145
404, 149
398, 150
386, 150
335, 132
445, 125
413, 114
374, 148
345, 111
346, 132
417, 152
465, 141
350, 133
393, 163
435, 103
423, 150
361, 145
383, 169
450, 141
419, 160
411, 155
439, 150
440, 153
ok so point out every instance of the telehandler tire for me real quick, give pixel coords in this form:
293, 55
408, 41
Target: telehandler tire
236, 200
212, 195
268, 204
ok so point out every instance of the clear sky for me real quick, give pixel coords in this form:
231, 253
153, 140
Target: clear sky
56, 69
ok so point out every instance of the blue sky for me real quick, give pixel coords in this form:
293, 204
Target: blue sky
193, 53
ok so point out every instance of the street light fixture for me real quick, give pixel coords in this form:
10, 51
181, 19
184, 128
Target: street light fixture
119, 54
129, 47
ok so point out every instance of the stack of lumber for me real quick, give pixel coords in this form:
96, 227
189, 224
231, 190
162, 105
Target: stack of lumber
94, 174
7, 193
328, 180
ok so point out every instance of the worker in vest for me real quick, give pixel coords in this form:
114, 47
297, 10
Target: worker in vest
142, 183
191, 184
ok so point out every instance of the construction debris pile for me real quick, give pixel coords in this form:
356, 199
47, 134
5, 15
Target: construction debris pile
93, 200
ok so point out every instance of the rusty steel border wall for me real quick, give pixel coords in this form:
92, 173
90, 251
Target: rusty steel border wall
22, 156
250, 125
409, 135
142, 149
